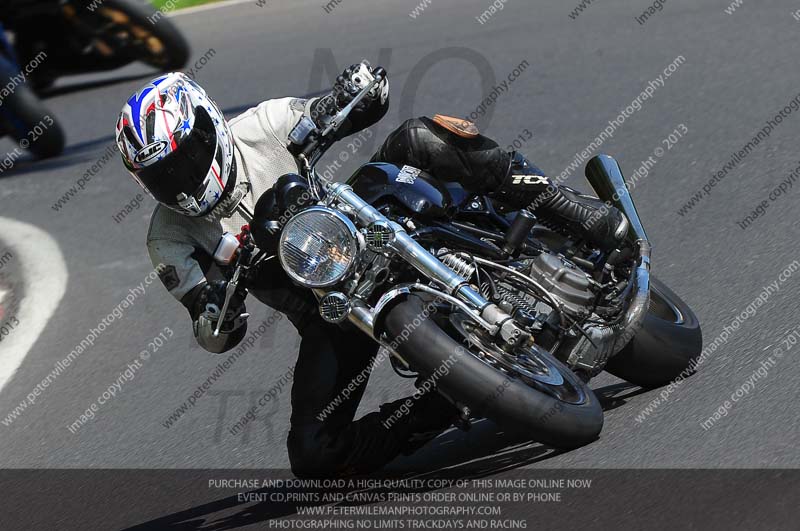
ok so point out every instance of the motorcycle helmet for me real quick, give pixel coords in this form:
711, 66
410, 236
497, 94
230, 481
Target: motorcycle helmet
176, 144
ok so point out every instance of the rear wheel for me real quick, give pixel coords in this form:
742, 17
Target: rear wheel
525, 391
666, 346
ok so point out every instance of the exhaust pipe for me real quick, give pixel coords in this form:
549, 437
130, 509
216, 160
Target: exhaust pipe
606, 178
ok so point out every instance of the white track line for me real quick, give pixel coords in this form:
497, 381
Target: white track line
44, 273
206, 7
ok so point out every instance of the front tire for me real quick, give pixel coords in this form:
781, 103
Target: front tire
667, 345
489, 392
161, 44
23, 115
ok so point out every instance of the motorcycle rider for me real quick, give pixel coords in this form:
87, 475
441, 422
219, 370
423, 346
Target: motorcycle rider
207, 174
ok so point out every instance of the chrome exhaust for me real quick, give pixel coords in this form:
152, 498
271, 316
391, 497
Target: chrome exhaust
606, 178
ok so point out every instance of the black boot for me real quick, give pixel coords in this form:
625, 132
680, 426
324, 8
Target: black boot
585, 216
601, 224
483, 167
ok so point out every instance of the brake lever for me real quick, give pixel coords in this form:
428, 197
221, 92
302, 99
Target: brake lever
233, 283
230, 289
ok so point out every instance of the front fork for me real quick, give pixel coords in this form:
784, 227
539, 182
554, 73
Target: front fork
495, 320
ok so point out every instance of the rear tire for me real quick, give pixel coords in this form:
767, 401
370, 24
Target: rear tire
666, 346
489, 392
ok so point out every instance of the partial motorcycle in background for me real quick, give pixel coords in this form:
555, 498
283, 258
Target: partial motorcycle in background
54, 38
81, 36
22, 115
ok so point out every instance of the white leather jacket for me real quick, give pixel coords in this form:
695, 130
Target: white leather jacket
260, 138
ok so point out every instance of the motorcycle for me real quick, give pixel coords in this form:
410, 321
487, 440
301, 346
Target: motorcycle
80, 36
22, 115
507, 317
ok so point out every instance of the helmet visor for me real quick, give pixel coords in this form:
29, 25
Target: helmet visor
184, 170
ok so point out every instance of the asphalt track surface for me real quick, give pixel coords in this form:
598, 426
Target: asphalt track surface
739, 71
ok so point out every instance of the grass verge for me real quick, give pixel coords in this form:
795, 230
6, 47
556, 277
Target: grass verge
172, 5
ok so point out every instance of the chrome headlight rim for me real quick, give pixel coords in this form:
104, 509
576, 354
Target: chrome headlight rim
347, 224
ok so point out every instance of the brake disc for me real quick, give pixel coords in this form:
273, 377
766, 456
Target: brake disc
521, 361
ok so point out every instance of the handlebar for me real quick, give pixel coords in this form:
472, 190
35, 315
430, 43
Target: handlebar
377, 76
318, 141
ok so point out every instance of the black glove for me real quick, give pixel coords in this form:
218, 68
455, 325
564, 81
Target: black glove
368, 111
206, 311
353, 80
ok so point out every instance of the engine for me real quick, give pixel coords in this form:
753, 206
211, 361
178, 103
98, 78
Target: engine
566, 283
575, 292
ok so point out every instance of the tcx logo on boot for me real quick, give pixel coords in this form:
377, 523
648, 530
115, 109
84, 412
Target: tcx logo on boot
529, 179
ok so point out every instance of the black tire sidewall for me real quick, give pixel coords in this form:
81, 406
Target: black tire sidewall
21, 112
662, 350
177, 47
489, 393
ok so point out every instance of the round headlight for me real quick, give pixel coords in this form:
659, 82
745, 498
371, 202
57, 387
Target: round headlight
318, 247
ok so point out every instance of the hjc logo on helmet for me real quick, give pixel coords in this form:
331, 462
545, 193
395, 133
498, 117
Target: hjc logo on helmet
150, 151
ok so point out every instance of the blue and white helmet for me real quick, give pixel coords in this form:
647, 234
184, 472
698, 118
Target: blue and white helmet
175, 142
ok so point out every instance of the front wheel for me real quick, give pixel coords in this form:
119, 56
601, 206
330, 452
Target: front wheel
143, 33
667, 345
527, 391
33, 125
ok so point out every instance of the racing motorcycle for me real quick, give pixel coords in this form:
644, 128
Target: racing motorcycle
80, 36
22, 115
520, 315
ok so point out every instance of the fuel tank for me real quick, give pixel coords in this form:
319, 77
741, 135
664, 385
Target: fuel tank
410, 187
